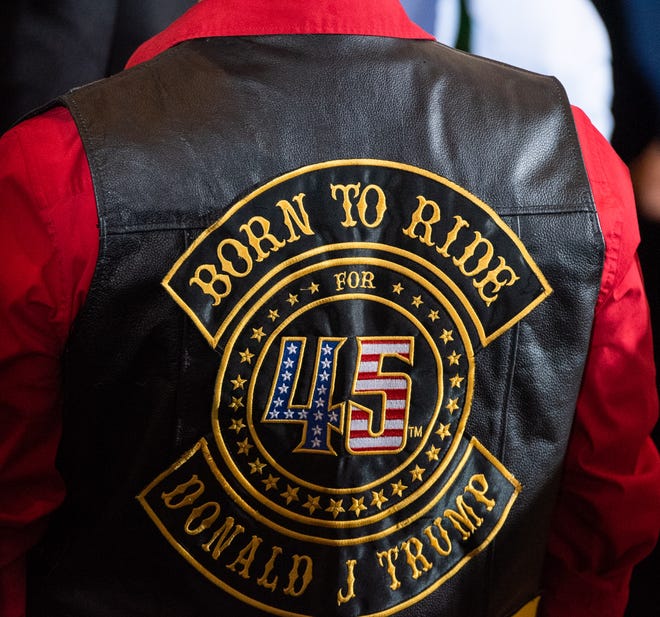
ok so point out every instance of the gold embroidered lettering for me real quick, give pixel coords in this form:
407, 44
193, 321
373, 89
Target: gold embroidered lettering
206, 522
255, 240
228, 268
452, 235
349, 221
242, 253
479, 493
469, 251
224, 537
413, 551
368, 280
246, 557
441, 550
263, 579
344, 598
464, 519
421, 227
217, 283
492, 278
380, 205
181, 490
209, 286
354, 280
291, 216
387, 559
294, 575
426, 224
362, 205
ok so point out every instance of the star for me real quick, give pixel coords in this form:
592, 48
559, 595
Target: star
417, 473
443, 431
313, 504
398, 488
239, 382
246, 356
452, 405
271, 481
454, 358
446, 335
433, 453
293, 299
378, 499
358, 506
258, 334
236, 403
397, 289
417, 301
291, 494
244, 446
273, 315
257, 467
434, 315
335, 507
237, 425
313, 288
456, 381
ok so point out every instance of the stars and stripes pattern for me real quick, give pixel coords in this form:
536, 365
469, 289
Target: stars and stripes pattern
393, 387
318, 417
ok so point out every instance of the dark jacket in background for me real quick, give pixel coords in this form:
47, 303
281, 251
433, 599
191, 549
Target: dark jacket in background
48, 47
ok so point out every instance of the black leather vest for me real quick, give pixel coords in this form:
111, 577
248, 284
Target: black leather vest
329, 360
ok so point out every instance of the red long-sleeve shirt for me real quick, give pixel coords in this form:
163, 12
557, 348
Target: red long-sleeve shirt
608, 513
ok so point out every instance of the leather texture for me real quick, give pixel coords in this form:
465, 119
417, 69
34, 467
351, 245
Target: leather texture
172, 145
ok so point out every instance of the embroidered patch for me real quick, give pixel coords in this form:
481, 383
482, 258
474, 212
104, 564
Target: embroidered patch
346, 300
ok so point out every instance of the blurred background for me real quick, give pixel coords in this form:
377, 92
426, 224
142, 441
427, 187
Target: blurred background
50, 46
605, 52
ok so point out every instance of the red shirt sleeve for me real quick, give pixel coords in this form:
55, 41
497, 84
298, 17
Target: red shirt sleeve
48, 248
608, 514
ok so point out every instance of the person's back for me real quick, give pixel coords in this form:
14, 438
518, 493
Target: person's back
324, 365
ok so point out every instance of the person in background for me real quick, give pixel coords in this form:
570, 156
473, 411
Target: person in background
566, 39
304, 313
634, 31
641, 27
49, 47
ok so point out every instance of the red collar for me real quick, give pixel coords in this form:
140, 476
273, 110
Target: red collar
263, 17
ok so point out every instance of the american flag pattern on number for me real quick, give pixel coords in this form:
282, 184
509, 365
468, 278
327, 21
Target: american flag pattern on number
395, 389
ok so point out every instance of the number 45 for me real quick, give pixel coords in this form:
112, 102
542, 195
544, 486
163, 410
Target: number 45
320, 416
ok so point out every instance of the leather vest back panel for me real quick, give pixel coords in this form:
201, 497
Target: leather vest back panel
334, 339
